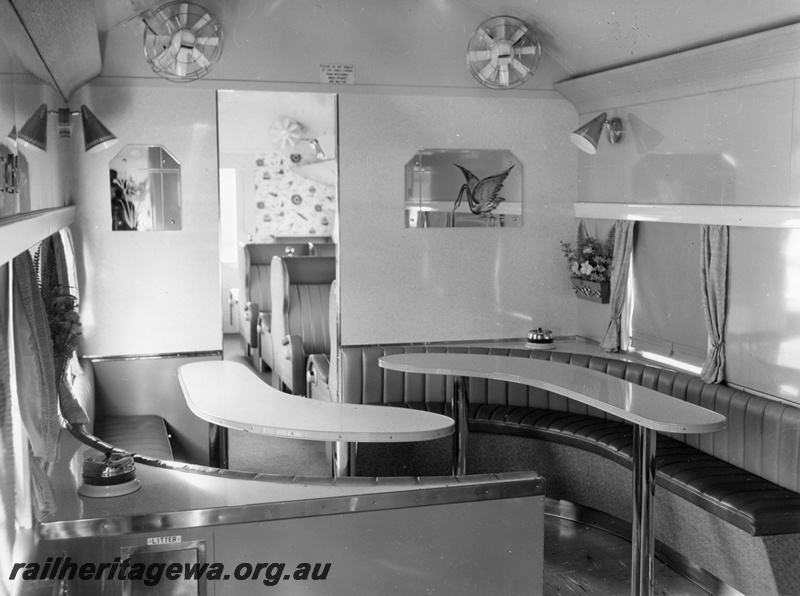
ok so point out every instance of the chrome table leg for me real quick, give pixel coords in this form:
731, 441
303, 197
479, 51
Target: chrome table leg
460, 407
644, 490
218, 445
344, 458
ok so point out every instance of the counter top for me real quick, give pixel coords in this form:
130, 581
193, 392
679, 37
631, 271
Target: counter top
621, 398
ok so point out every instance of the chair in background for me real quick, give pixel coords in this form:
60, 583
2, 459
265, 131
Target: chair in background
300, 291
258, 301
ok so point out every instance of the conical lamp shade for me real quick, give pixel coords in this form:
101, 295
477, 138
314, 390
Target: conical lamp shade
33, 133
12, 136
96, 136
588, 135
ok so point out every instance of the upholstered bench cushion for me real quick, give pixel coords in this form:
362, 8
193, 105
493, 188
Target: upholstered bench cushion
142, 434
747, 501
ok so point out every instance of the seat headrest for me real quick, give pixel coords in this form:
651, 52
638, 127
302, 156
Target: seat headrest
310, 270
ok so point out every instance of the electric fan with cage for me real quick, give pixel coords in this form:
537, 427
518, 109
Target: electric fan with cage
182, 41
503, 52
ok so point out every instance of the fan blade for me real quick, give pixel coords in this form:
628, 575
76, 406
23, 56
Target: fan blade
501, 30
165, 58
526, 50
183, 15
480, 55
207, 41
518, 35
200, 59
521, 69
485, 36
503, 75
201, 22
487, 71
159, 41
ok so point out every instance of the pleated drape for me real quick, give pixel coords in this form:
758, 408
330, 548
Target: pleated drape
7, 475
36, 379
623, 248
714, 273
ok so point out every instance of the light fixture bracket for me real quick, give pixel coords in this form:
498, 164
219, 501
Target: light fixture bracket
10, 165
587, 136
614, 129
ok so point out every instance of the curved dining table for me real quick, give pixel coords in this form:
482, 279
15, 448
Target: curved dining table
230, 395
647, 410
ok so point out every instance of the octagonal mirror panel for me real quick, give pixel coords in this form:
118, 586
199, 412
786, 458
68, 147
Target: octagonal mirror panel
463, 188
145, 189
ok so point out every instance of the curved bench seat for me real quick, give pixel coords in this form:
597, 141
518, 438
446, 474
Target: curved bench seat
747, 474
745, 500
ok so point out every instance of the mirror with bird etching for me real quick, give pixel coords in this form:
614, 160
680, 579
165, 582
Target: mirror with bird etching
463, 188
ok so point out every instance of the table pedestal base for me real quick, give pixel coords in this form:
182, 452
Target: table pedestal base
460, 408
344, 458
644, 490
218, 446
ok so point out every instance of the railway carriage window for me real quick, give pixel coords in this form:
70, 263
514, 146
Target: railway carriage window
667, 319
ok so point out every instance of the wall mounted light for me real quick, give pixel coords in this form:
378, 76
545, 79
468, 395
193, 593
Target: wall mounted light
96, 136
588, 135
10, 167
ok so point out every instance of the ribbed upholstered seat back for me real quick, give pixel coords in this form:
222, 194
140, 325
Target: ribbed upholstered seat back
308, 290
762, 435
259, 259
258, 287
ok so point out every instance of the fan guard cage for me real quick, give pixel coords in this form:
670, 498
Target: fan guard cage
503, 52
182, 41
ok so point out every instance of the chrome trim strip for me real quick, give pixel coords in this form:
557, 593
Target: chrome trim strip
124, 357
617, 527
418, 494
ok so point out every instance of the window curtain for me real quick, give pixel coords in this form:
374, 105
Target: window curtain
7, 476
623, 247
36, 380
714, 273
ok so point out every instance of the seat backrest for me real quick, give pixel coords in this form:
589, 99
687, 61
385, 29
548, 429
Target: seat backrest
258, 259
300, 291
323, 249
762, 435
333, 332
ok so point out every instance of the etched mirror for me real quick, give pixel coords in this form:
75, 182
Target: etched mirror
145, 189
463, 188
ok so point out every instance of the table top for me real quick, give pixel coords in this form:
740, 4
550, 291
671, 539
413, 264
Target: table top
621, 398
231, 395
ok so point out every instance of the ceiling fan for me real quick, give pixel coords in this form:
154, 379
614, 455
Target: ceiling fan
503, 52
182, 41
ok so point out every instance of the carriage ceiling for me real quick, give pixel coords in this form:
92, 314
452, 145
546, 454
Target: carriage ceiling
583, 36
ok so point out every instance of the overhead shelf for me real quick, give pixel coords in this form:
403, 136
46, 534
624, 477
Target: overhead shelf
20, 232
750, 60
754, 216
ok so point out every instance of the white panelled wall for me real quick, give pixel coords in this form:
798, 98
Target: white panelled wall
736, 146
423, 285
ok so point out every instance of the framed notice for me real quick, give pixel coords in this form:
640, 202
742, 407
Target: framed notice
337, 74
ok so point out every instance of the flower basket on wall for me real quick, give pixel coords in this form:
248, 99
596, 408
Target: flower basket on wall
590, 265
593, 291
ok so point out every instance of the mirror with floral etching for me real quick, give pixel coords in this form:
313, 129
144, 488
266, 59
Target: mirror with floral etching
145, 189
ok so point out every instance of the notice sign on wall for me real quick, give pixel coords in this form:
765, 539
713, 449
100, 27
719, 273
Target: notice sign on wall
337, 74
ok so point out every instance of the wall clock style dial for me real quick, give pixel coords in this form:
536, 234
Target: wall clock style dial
503, 52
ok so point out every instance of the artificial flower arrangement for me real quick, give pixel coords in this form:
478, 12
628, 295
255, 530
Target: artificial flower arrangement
590, 259
60, 307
